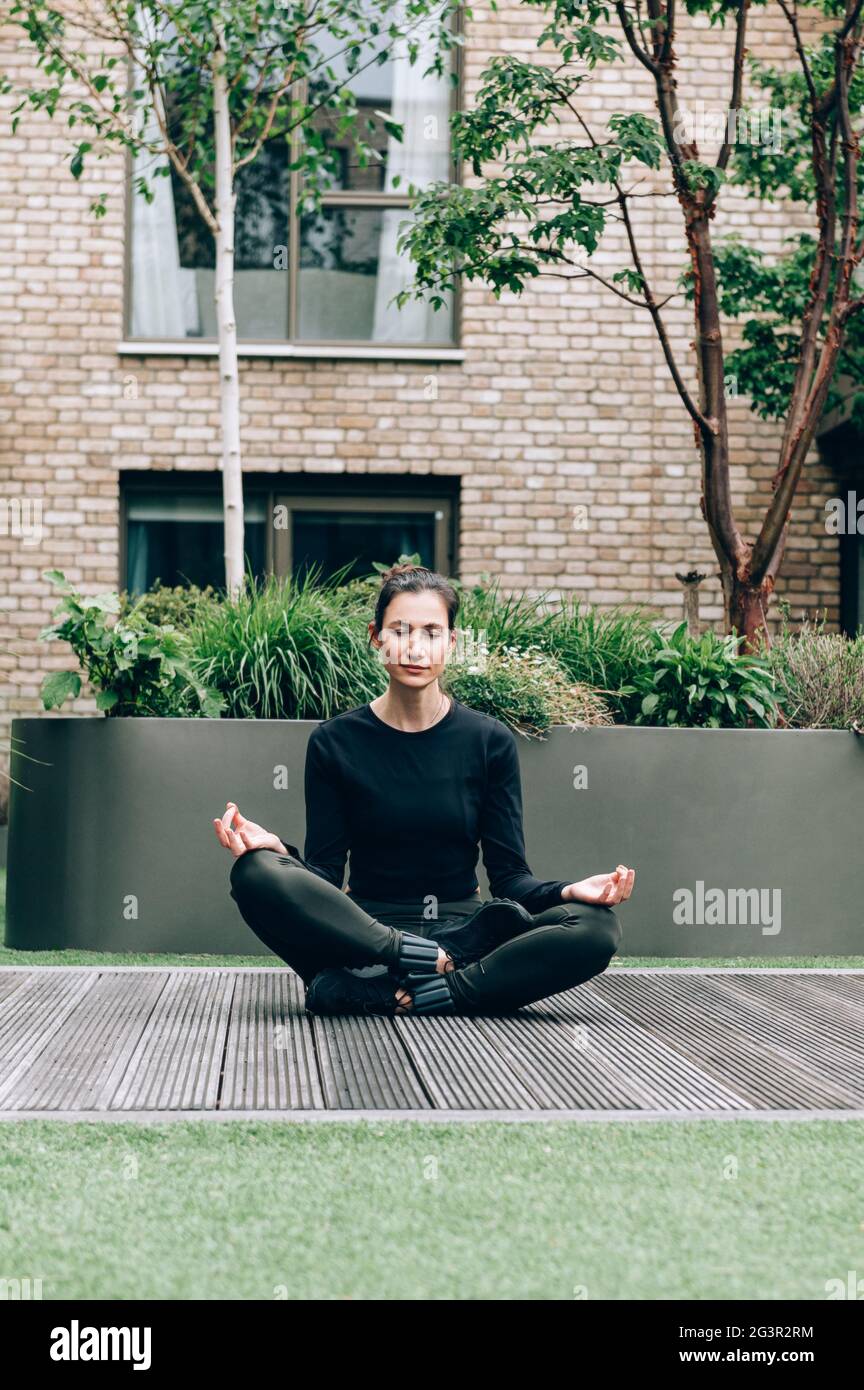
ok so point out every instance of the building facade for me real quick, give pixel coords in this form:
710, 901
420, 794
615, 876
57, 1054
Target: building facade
538, 438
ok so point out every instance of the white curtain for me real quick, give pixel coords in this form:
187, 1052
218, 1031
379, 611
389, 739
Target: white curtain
421, 104
164, 297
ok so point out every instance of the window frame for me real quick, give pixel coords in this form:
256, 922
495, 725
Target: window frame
291, 345
309, 492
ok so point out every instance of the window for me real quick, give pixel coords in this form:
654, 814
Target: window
177, 537
331, 531
173, 527
840, 451
325, 278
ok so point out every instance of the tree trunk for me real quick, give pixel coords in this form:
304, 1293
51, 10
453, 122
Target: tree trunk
229, 378
747, 609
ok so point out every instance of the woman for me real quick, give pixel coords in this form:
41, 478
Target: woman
410, 785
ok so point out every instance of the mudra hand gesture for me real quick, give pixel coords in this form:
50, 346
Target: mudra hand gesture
245, 834
605, 890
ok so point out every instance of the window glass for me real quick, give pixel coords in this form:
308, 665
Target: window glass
330, 539
178, 539
349, 272
399, 90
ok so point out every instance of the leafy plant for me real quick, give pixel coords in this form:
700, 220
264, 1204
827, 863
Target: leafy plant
135, 667
287, 648
163, 605
508, 620
524, 689
606, 650
704, 682
819, 676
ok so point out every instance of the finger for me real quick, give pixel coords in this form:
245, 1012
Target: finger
228, 815
237, 845
631, 879
220, 833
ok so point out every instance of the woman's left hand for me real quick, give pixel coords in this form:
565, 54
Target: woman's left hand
606, 890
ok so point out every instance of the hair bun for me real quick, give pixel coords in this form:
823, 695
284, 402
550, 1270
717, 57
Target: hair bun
395, 570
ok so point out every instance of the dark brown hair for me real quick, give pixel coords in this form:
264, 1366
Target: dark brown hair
414, 579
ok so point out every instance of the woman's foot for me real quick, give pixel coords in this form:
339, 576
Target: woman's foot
405, 1001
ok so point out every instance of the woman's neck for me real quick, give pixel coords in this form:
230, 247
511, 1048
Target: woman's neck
409, 710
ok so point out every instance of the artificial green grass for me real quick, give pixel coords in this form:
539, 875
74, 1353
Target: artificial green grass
404, 1210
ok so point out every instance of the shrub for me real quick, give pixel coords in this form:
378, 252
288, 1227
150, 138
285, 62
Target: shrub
135, 667
606, 650
704, 682
163, 606
507, 620
526, 690
286, 649
819, 676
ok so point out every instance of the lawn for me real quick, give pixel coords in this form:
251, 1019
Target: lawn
403, 1210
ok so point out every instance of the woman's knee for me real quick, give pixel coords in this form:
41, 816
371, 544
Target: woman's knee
597, 925
253, 871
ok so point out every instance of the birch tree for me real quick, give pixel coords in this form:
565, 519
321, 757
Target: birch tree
200, 87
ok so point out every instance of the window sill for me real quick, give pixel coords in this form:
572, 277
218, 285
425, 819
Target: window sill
381, 352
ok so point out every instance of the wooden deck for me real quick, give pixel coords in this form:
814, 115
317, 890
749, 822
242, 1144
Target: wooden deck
162, 1043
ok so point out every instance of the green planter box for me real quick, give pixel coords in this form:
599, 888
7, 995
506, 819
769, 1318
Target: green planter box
745, 842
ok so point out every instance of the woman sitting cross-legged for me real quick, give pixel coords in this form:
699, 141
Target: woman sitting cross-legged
412, 786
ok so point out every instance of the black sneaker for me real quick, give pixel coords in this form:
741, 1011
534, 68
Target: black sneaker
493, 923
337, 991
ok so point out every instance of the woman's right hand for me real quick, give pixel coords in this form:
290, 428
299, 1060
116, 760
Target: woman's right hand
245, 834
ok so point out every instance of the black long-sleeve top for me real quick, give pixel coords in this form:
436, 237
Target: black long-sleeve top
411, 809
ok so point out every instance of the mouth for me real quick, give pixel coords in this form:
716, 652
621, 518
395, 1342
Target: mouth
415, 670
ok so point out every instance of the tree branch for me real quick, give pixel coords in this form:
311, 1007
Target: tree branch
737, 78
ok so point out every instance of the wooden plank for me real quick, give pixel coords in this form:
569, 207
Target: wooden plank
31, 1016
462, 1066
12, 980
177, 1062
363, 1065
692, 1015
82, 1064
270, 1059
88, 1041
784, 1019
609, 1061
846, 991
816, 1026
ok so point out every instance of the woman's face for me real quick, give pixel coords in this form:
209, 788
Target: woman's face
415, 641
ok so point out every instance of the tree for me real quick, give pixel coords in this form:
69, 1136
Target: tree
202, 86
545, 208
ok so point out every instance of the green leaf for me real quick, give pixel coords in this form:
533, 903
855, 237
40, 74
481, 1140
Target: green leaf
58, 687
56, 577
106, 699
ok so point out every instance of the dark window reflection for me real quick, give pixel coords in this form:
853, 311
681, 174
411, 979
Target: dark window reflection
331, 539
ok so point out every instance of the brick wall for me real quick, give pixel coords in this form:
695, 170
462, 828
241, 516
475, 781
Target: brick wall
563, 399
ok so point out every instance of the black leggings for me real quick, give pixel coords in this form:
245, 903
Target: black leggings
312, 925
